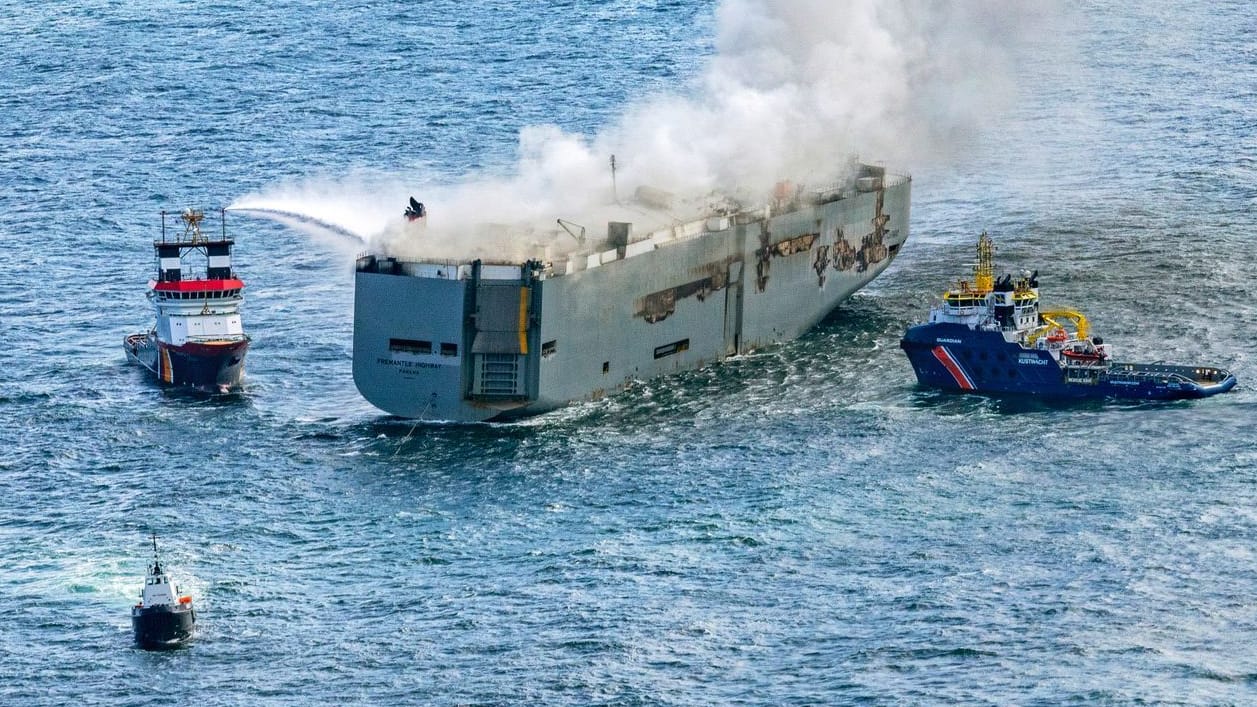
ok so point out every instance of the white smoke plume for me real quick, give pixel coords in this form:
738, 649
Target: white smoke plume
794, 90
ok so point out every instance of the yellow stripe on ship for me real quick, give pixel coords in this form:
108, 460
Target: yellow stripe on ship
523, 321
167, 372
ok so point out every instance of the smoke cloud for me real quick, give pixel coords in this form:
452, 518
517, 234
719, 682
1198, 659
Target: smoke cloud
793, 91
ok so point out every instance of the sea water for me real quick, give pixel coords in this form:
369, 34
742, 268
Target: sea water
802, 525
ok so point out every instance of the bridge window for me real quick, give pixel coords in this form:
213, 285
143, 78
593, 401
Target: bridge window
449, 349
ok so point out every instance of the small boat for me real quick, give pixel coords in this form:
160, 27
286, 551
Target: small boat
198, 340
161, 620
991, 336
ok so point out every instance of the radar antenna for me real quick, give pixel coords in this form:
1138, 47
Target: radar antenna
192, 224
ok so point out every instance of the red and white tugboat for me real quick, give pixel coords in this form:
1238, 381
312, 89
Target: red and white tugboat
160, 620
198, 340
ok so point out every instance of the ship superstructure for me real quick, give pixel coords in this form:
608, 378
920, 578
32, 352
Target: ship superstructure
198, 338
991, 335
473, 340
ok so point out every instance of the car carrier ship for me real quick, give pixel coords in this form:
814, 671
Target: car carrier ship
477, 340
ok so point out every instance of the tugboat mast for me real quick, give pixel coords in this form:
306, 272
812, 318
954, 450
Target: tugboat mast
156, 562
984, 271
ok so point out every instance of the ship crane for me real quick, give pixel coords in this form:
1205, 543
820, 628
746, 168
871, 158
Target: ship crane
580, 237
1050, 317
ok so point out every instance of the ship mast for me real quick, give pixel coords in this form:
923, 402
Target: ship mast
156, 569
984, 271
614, 195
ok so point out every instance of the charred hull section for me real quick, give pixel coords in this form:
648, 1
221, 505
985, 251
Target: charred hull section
160, 627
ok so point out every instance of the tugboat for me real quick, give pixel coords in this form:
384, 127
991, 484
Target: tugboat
990, 336
159, 620
198, 340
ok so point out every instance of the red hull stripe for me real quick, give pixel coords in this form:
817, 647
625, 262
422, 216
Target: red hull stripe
198, 285
944, 357
224, 348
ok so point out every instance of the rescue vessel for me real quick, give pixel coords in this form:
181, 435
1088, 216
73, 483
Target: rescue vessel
163, 618
577, 318
198, 340
990, 335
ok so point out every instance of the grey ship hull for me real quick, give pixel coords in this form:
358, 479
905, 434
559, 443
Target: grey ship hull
476, 341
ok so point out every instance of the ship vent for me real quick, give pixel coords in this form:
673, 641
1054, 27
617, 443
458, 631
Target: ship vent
497, 376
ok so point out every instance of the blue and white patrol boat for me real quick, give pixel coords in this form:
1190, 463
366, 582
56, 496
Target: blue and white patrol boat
161, 620
991, 336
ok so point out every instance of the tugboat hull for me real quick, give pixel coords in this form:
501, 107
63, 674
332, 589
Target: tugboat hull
159, 627
212, 367
954, 357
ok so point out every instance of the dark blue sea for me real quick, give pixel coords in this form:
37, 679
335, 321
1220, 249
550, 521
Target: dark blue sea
799, 526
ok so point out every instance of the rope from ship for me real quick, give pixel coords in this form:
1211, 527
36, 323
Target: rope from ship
415, 426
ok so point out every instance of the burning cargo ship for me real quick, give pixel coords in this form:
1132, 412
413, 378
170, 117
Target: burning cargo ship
478, 340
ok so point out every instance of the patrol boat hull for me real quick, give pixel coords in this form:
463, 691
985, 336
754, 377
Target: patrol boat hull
952, 357
158, 627
474, 341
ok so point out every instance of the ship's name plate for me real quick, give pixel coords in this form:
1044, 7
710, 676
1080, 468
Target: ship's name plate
1031, 359
399, 363
941, 340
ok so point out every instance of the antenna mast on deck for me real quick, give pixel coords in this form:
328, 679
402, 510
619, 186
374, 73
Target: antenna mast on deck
614, 196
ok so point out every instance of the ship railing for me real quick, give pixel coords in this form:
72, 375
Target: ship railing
956, 311
1193, 374
861, 184
1083, 364
1165, 374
